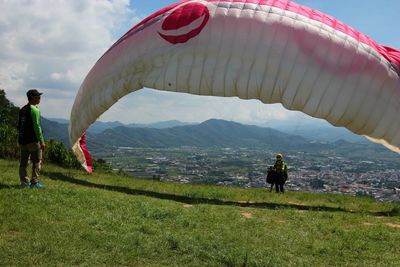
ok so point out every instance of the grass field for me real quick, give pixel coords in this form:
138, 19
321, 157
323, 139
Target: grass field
110, 220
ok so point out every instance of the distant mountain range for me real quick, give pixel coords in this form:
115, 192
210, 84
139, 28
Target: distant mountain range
100, 126
211, 133
55, 130
318, 130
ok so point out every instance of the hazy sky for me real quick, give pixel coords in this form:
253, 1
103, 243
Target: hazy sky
51, 45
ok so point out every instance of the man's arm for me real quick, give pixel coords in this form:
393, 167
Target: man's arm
35, 112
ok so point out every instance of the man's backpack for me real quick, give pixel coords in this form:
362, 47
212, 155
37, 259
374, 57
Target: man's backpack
271, 175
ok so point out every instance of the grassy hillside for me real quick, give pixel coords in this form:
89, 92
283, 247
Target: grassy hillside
110, 220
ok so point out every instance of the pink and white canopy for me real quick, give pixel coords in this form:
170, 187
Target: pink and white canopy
276, 51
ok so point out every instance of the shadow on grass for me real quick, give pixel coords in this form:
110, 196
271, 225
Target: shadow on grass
7, 186
200, 200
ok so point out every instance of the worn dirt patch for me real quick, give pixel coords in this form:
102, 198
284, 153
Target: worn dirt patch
246, 215
301, 211
246, 202
368, 224
296, 203
9, 235
393, 225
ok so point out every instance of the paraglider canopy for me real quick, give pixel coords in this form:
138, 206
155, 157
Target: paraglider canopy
274, 51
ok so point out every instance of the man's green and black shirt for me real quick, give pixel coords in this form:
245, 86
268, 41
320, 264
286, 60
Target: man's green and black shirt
29, 125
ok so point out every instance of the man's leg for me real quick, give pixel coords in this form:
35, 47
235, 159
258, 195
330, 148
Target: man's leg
281, 187
23, 165
36, 158
278, 182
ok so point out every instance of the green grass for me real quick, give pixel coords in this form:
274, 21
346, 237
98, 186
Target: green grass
110, 220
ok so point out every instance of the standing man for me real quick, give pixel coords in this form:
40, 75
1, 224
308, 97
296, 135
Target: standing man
30, 139
282, 175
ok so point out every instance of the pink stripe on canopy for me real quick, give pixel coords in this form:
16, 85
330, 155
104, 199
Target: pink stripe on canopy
391, 54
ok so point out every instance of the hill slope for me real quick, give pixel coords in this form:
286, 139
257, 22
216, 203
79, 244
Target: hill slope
106, 219
55, 130
210, 133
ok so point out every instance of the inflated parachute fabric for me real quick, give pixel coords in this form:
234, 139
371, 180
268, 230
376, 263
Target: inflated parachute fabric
274, 51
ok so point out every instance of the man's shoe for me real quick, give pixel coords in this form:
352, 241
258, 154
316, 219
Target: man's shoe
24, 184
37, 185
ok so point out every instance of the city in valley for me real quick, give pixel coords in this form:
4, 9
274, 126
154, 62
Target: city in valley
344, 172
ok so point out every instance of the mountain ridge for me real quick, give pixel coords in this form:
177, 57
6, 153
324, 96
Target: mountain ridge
320, 131
210, 133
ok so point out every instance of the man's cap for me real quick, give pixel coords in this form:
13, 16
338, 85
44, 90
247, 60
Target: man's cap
33, 92
279, 156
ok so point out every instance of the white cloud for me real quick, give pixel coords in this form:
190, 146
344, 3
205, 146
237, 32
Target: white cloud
56, 76
51, 45
148, 105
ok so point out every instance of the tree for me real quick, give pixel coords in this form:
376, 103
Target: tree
8, 142
8, 127
8, 112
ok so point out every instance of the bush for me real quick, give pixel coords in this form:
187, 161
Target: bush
101, 164
57, 153
8, 142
